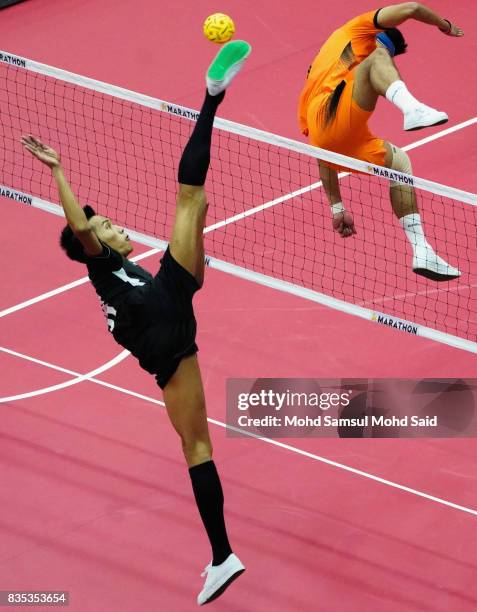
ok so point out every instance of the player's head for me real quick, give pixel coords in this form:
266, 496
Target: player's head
105, 230
393, 41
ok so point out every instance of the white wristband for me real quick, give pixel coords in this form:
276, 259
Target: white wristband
337, 208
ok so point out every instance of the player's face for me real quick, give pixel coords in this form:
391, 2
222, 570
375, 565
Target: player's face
111, 234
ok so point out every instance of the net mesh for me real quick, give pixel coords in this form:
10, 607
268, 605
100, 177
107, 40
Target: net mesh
121, 157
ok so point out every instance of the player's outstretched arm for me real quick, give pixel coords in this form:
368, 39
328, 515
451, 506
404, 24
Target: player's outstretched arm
392, 16
342, 219
74, 214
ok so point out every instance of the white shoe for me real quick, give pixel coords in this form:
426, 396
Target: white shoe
423, 116
427, 263
226, 65
219, 577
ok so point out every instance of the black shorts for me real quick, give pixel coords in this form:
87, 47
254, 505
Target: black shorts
159, 326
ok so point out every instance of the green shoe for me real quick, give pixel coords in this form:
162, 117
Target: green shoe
227, 63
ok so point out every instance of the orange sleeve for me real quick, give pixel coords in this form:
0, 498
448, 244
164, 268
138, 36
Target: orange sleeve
363, 26
361, 32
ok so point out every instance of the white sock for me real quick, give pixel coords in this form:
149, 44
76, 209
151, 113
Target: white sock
398, 94
412, 225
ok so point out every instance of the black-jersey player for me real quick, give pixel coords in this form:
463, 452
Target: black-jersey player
152, 316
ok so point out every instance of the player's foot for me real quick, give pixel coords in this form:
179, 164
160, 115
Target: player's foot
423, 116
427, 263
219, 577
227, 63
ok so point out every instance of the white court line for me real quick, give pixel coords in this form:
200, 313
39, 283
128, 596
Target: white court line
260, 207
440, 134
308, 188
43, 296
219, 224
63, 288
77, 374
74, 381
426, 292
273, 442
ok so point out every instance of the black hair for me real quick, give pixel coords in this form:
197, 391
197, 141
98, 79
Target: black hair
397, 39
348, 58
331, 105
70, 244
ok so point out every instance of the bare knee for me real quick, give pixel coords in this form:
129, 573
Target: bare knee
397, 159
191, 195
403, 196
196, 450
368, 85
379, 55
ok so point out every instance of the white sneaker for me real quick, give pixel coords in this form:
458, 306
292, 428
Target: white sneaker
226, 65
427, 263
423, 116
219, 577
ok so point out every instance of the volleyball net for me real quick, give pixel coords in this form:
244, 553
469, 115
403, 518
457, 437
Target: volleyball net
269, 219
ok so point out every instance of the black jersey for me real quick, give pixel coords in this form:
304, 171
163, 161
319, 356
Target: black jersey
115, 278
151, 316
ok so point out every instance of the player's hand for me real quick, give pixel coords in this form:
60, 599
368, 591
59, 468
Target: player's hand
41, 151
343, 224
452, 30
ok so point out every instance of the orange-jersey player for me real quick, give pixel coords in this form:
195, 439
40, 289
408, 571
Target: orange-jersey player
353, 68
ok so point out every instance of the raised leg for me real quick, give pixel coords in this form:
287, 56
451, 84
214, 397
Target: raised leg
186, 244
372, 79
377, 76
183, 393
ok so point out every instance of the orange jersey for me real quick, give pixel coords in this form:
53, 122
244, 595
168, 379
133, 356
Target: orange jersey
347, 47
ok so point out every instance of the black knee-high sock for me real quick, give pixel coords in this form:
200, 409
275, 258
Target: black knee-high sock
196, 156
210, 501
